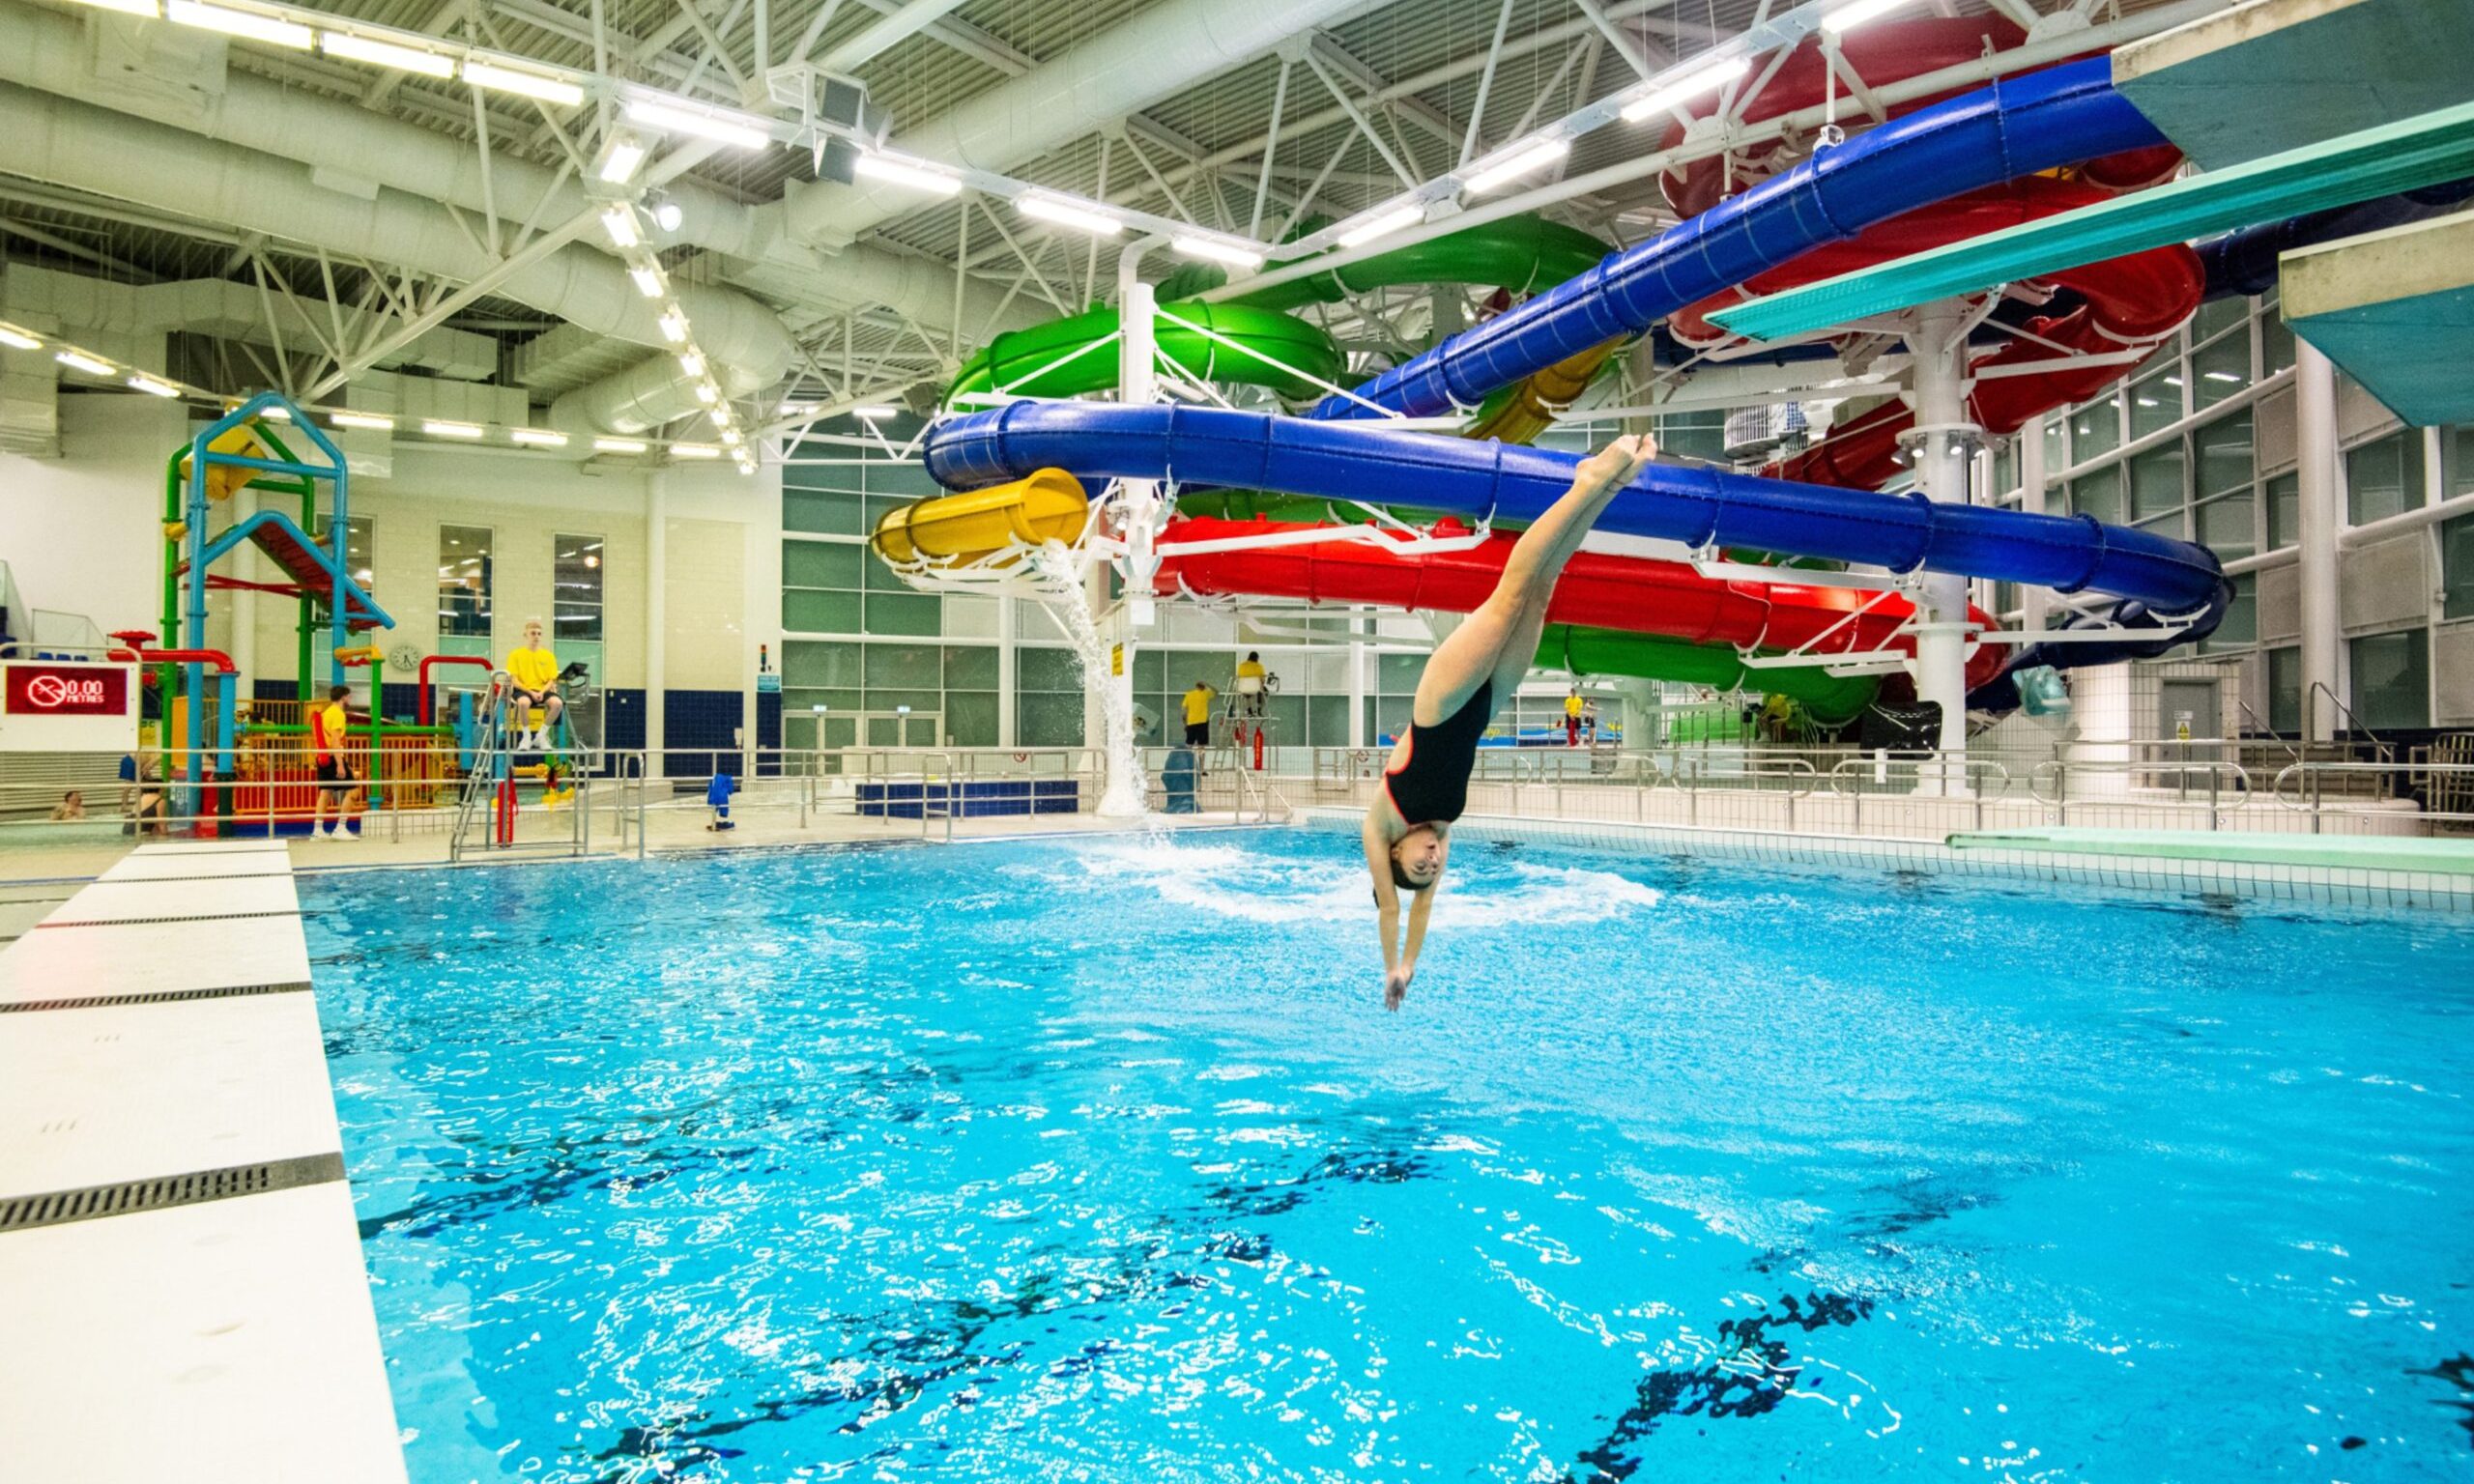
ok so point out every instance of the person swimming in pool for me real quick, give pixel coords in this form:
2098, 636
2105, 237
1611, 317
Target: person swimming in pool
1408, 827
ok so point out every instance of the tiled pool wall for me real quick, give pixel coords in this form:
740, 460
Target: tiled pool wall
2315, 885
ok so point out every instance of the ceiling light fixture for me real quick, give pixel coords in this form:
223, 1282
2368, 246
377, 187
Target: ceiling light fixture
694, 451
78, 361
153, 387
708, 393
647, 280
525, 84
19, 342
674, 326
249, 26
902, 172
745, 133
538, 438
1698, 80
667, 214
440, 428
691, 363
376, 421
146, 8
617, 446
1212, 250
874, 414
1067, 213
1847, 17
403, 59
1520, 162
1383, 226
621, 160
620, 221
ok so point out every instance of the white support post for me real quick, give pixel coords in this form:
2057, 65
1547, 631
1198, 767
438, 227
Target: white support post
1943, 447
2315, 410
2033, 601
657, 614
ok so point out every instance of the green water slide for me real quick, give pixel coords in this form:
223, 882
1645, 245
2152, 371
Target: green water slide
1524, 254
1069, 356
1833, 700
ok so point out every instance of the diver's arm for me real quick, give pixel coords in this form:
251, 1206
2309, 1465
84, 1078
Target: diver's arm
1396, 982
1387, 897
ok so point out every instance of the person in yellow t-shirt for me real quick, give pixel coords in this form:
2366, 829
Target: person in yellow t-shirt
535, 671
1197, 703
1252, 682
1574, 707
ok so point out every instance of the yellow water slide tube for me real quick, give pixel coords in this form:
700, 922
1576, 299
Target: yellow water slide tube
951, 528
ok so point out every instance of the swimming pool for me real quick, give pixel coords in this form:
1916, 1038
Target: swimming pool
1099, 1159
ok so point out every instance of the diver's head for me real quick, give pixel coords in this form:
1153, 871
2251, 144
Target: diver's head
1416, 858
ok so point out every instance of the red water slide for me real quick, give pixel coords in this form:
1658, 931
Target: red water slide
2126, 304
1635, 594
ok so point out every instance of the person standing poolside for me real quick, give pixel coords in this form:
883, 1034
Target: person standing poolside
1197, 703
332, 778
534, 672
1407, 831
1574, 707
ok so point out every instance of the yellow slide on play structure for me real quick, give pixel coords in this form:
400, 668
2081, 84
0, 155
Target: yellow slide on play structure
1048, 506
222, 479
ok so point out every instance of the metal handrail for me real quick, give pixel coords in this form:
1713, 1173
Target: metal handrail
2322, 688
2256, 719
1859, 769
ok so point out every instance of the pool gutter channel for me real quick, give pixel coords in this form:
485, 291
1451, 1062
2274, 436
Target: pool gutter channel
178, 1243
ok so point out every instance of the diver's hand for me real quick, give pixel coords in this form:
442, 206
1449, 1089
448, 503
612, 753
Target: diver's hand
1396, 985
1614, 465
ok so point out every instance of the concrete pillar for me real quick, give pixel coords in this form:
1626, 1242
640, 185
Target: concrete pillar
1357, 661
2315, 412
1008, 685
1943, 447
657, 613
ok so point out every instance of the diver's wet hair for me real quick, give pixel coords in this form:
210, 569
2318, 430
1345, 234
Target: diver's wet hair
1400, 878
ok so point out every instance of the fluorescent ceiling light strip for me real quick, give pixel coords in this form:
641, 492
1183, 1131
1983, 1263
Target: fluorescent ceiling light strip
440, 428
19, 342
538, 438
621, 164
874, 414
78, 361
1537, 156
1068, 213
1702, 79
403, 59
742, 131
249, 26
1847, 17
902, 172
146, 8
153, 387
691, 363
522, 83
1383, 226
620, 221
674, 327
647, 280
721, 416
376, 420
617, 446
1212, 250
694, 451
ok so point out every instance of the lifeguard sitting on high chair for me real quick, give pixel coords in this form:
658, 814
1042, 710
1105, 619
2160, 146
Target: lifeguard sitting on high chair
535, 671
1253, 683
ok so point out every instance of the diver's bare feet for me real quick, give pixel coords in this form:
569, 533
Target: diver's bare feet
1614, 465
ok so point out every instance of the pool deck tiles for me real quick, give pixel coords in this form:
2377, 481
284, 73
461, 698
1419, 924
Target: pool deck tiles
179, 1257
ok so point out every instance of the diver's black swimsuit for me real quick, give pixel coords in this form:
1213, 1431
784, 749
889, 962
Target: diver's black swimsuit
1432, 788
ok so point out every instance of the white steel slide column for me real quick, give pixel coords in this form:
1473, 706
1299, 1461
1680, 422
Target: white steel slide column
1942, 447
2314, 408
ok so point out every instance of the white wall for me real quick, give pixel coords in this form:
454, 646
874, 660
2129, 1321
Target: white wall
83, 532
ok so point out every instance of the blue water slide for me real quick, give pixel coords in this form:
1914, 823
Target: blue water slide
1384, 465
2012, 128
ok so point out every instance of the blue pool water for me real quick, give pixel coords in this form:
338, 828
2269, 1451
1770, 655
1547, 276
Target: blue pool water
1101, 1160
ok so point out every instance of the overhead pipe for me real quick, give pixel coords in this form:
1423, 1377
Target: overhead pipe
77, 145
1157, 55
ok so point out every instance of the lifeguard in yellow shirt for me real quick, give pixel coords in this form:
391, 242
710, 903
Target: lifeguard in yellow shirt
534, 672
